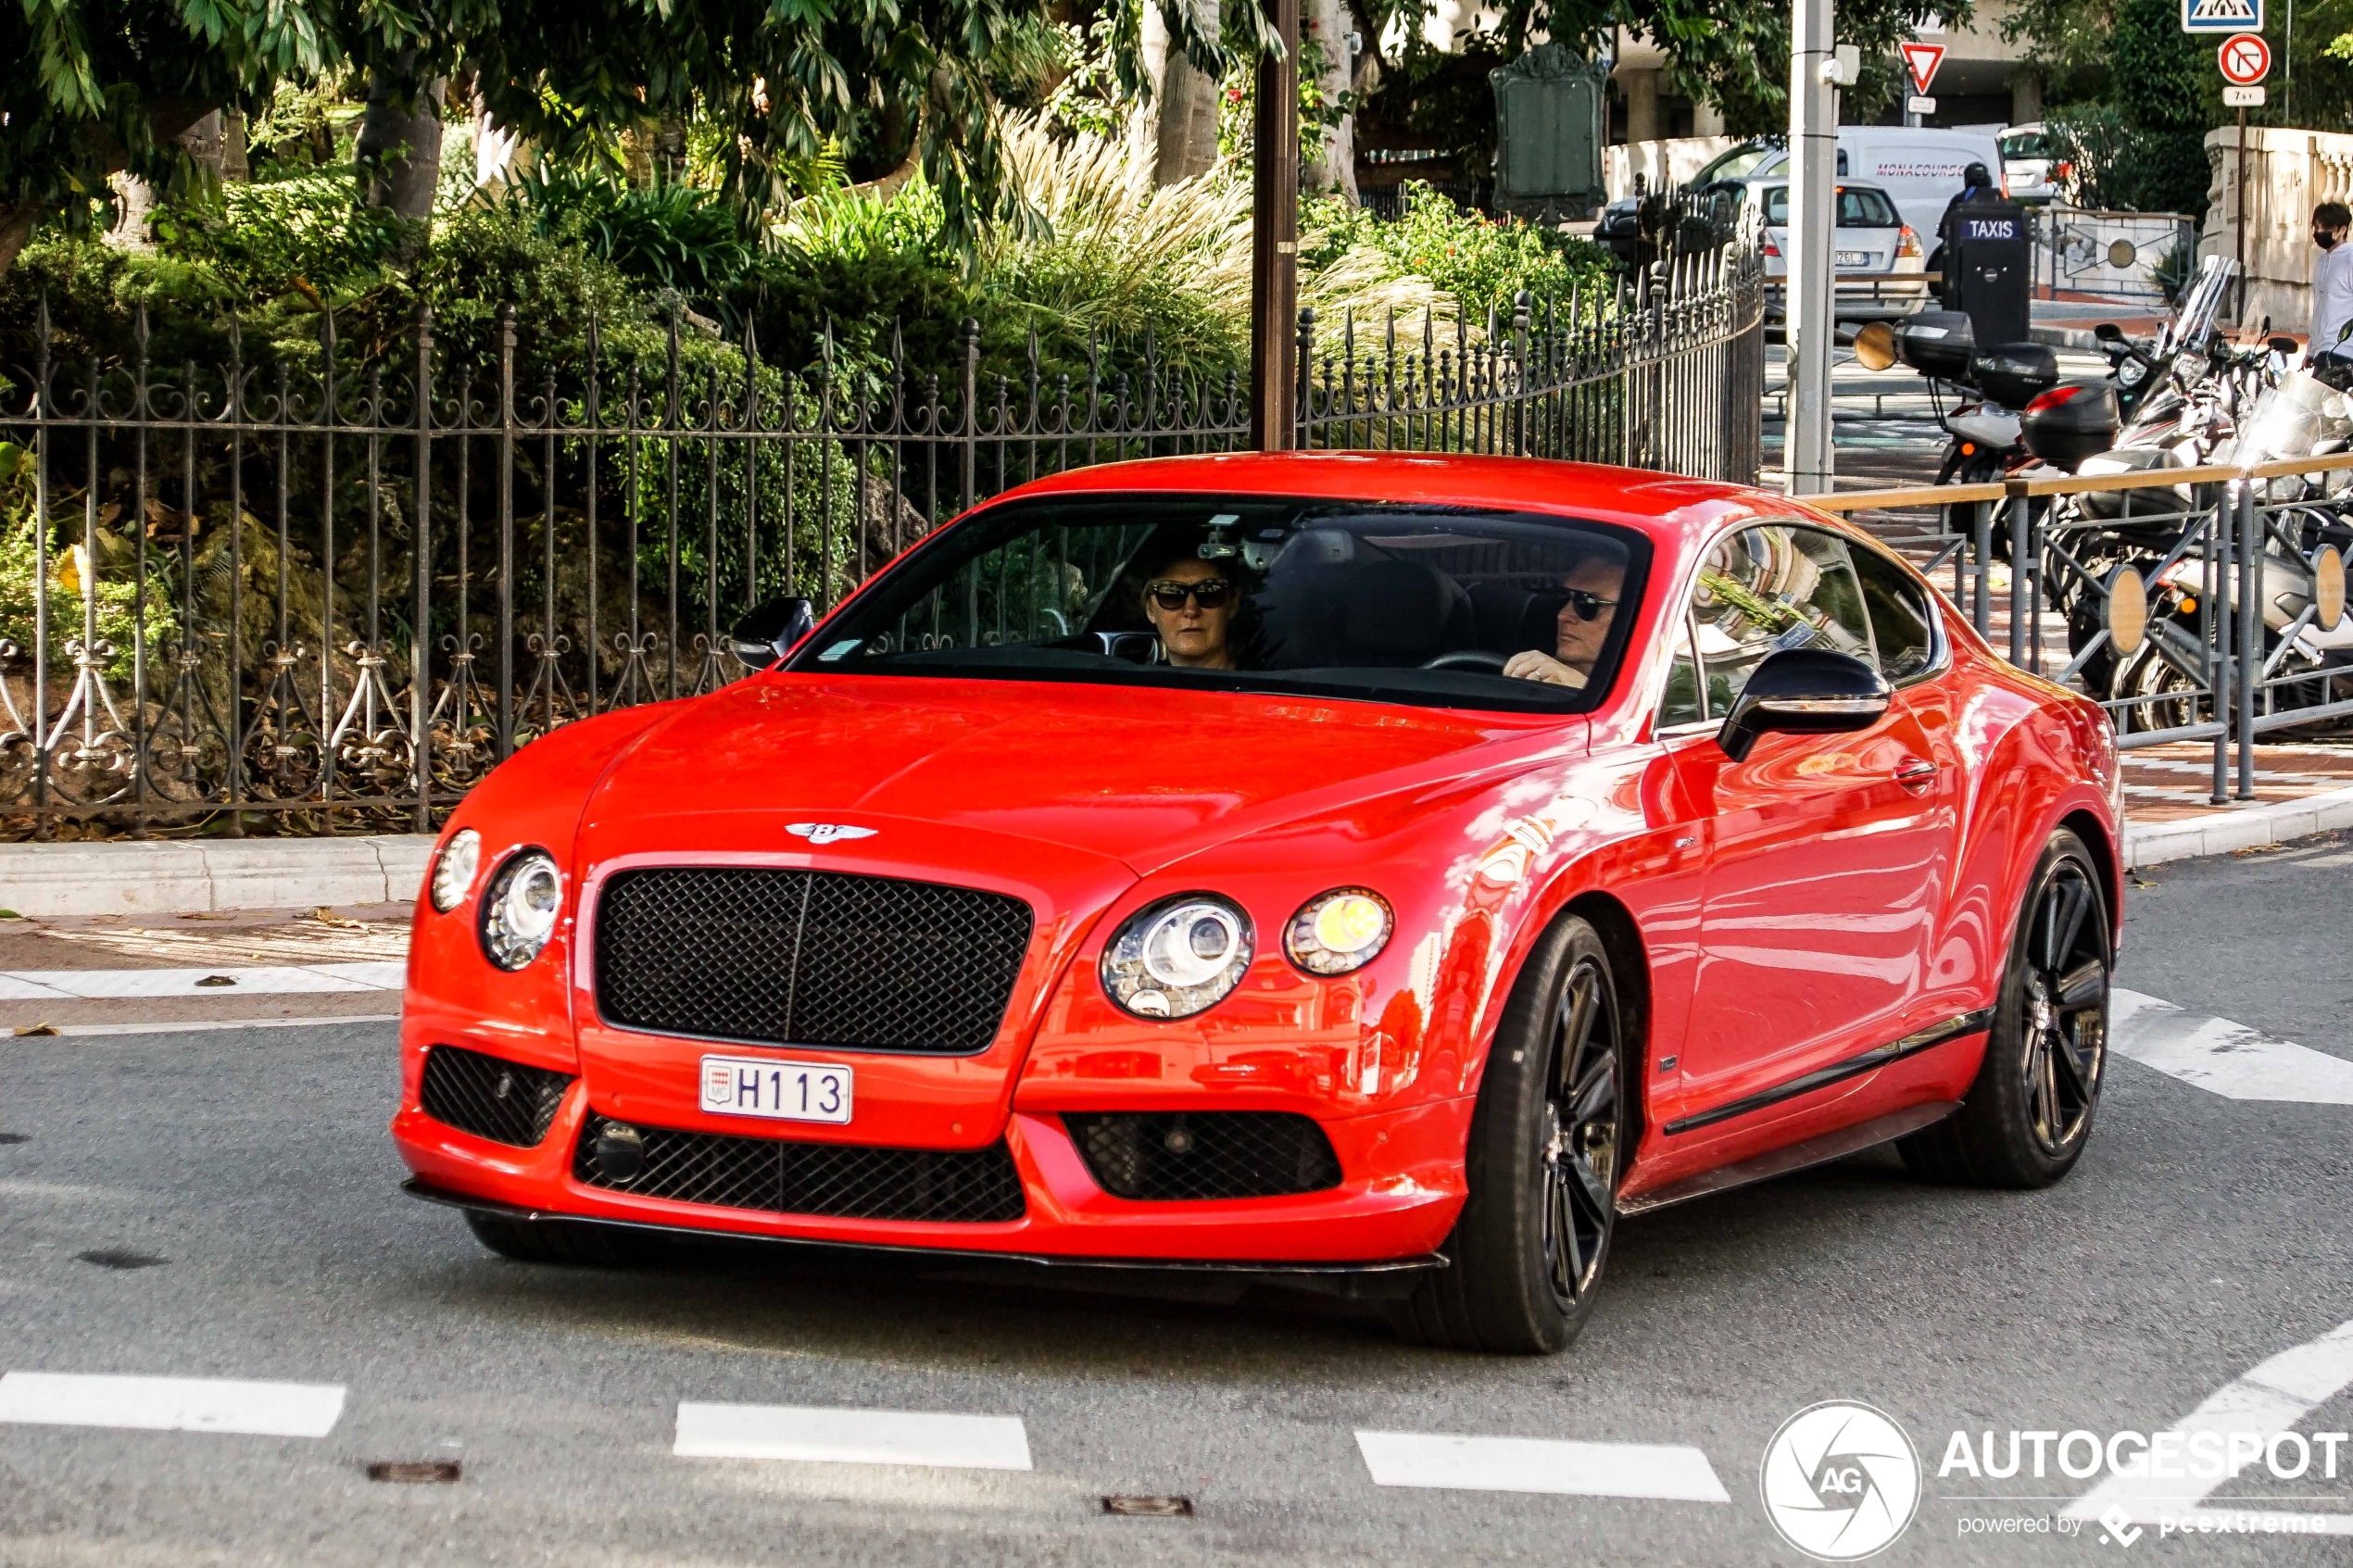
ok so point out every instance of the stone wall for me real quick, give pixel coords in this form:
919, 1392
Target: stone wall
2288, 174
1669, 161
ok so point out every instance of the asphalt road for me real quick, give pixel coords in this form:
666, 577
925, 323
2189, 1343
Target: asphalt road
245, 1179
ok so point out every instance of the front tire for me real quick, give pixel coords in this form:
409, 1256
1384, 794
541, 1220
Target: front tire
1547, 1142
2029, 1115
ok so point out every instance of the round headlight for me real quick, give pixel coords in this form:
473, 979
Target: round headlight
453, 874
1178, 958
519, 912
1339, 931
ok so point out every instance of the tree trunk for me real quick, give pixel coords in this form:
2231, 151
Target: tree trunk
16, 226
1334, 167
399, 148
1180, 128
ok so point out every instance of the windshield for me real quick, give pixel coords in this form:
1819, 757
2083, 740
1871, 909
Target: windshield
2299, 417
1857, 209
1737, 164
2026, 144
1391, 603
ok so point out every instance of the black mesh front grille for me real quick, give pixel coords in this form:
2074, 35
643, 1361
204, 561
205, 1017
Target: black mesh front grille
503, 1101
808, 958
843, 1180
1204, 1153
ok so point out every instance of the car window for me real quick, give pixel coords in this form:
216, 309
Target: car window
1898, 606
1376, 600
1776, 206
1771, 587
2026, 144
1737, 164
1682, 704
1860, 207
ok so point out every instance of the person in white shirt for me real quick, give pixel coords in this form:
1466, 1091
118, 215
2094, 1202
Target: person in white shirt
2328, 350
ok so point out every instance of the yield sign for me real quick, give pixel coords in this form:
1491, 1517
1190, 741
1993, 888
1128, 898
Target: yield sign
2246, 59
1921, 60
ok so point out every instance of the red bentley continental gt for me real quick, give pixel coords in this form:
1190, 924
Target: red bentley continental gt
1318, 864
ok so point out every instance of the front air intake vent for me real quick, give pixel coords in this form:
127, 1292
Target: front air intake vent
1199, 1154
490, 1097
846, 1181
780, 957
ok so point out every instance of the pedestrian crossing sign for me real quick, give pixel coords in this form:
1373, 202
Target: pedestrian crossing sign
2221, 16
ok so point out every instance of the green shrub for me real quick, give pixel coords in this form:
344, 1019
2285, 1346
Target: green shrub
1482, 263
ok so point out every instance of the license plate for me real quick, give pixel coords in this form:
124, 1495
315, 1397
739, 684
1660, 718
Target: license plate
1855, 259
777, 1091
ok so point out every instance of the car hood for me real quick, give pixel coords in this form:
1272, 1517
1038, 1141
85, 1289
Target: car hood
1141, 775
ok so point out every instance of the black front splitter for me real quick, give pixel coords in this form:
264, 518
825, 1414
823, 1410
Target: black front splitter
1386, 1277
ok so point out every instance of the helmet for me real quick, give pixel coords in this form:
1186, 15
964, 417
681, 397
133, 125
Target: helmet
1975, 174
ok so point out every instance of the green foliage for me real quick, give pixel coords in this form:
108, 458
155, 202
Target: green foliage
1484, 265
2134, 96
301, 233
670, 235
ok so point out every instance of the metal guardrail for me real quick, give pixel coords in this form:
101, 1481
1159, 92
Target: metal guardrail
330, 596
2219, 683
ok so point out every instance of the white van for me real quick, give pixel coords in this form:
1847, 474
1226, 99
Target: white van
1919, 168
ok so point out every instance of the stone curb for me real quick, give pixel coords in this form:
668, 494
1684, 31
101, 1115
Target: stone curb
191, 876
2247, 827
187, 876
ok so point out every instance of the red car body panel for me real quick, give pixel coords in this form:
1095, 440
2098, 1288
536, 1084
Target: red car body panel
1791, 910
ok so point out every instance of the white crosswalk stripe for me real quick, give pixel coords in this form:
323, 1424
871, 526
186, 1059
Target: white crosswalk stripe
1531, 1465
2227, 1058
91, 985
851, 1437
171, 1404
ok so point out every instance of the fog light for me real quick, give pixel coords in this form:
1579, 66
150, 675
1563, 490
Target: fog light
620, 1152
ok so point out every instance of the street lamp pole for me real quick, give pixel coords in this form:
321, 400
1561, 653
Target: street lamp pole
1806, 325
1274, 245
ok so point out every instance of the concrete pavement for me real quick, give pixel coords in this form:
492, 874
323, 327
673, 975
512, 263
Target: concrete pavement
221, 1206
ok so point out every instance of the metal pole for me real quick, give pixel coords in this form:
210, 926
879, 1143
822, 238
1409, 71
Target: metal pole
1273, 244
2250, 629
2220, 649
2020, 616
2240, 315
1807, 319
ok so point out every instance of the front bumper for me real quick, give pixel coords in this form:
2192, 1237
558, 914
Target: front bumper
1402, 1185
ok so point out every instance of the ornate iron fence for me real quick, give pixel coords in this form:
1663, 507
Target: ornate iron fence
238, 598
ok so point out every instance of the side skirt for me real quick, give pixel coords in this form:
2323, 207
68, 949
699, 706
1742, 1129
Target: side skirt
1795, 1157
1870, 1061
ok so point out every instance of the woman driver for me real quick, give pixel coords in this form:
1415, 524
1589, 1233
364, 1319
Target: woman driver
1192, 605
1578, 631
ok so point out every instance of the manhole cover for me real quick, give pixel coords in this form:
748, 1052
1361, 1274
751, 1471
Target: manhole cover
414, 1472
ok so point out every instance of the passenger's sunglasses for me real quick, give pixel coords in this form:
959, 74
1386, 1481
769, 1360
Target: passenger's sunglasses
1585, 605
1210, 592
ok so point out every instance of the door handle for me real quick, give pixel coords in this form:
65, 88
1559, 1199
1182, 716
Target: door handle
1915, 772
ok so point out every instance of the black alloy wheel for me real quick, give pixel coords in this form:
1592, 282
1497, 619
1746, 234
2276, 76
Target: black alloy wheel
2066, 1020
1547, 1145
2028, 1114
1580, 1144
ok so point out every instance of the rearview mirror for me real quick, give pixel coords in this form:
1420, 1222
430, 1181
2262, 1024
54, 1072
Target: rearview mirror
1875, 346
1803, 691
769, 631
2108, 331
2282, 345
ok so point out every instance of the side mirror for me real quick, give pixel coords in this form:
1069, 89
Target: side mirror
1803, 691
769, 631
2108, 331
2281, 345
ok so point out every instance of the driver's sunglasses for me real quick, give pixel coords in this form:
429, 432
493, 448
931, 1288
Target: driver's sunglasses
1586, 606
1170, 595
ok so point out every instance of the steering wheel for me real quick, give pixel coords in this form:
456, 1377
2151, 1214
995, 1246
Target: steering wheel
1467, 659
